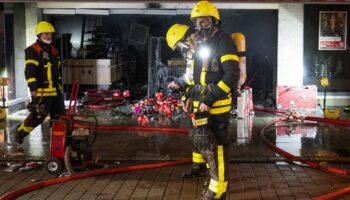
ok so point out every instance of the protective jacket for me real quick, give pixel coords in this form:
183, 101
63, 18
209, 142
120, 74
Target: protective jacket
42, 71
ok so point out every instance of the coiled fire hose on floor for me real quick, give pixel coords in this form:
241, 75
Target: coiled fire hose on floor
332, 195
105, 99
269, 126
17, 193
100, 172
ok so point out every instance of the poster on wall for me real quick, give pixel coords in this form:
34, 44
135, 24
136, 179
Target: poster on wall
332, 30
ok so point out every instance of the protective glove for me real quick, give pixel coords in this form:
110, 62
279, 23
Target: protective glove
33, 105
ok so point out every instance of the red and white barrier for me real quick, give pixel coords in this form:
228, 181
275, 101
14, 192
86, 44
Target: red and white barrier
245, 104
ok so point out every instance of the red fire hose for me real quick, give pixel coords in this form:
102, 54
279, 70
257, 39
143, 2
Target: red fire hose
17, 193
105, 99
330, 121
333, 195
103, 103
309, 118
280, 151
73, 98
293, 157
96, 93
132, 128
270, 110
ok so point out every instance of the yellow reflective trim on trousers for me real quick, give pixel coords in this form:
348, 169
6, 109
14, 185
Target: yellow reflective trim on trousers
221, 172
221, 163
207, 164
228, 57
224, 87
203, 121
197, 158
216, 111
27, 129
31, 80
34, 62
213, 186
218, 187
47, 94
196, 155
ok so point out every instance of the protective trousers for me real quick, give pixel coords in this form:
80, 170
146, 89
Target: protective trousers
199, 165
47, 105
211, 139
198, 162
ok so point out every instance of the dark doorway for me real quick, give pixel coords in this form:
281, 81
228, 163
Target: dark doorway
259, 27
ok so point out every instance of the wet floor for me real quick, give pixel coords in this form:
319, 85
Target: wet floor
321, 142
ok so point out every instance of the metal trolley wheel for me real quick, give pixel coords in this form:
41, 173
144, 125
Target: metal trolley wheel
54, 166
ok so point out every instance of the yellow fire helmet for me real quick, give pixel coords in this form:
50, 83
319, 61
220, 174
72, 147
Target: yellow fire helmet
175, 33
205, 9
44, 27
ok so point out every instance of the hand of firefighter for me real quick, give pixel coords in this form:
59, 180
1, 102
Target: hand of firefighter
33, 105
173, 85
203, 108
186, 105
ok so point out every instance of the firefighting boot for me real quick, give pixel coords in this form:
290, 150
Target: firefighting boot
20, 135
207, 195
198, 170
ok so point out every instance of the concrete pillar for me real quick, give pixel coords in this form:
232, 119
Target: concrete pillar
32, 18
290, 44
19, 29
25, 18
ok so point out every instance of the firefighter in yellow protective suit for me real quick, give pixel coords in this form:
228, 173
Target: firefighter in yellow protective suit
216, 72
43, 76
177, 38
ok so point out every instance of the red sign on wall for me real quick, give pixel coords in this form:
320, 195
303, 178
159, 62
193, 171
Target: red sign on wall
332, 32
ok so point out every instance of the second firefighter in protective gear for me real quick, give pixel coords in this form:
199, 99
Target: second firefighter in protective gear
216, 73
176, 39
43, 75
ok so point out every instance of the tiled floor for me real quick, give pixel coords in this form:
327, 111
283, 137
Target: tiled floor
247, 181
319, 142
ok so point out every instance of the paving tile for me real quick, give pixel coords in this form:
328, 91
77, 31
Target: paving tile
166, 184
